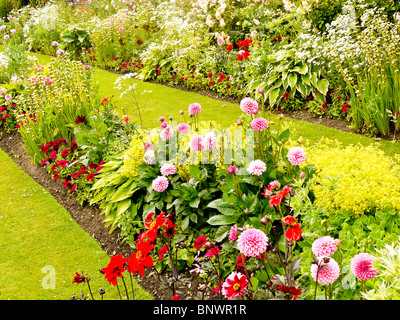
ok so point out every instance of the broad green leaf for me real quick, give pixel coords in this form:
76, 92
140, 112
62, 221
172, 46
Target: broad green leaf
322, 86
221, 219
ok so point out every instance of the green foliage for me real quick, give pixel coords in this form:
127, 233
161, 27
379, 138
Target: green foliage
5, 8
324, 12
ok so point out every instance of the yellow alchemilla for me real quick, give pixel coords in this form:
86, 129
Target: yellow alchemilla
365, 178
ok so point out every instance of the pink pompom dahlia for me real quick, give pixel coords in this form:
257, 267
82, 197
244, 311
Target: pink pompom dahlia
362, 266
167, 169
256, 167
194, 108
166, 133
235, 285
196, 143
296, 156
259, 124
182, 128
160, 184
327, 272
252, 242
249, 106
324, 246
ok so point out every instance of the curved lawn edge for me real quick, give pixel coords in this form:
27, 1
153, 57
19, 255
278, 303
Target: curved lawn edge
39, 239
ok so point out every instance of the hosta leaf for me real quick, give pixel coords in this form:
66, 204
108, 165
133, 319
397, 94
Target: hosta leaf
322, 86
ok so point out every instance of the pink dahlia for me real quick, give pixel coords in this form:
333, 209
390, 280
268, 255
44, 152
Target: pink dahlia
362, 266
231, 169
164, 124
182, 128
194, 108
252, 242
296, 156
235, 285
196, 143
256, 167
166, 133
210, 141
324, 246
167, 169
327, 273
160, 184
249, 106
233, 233
259, 124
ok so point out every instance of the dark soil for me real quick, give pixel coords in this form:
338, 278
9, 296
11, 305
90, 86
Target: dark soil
88, 217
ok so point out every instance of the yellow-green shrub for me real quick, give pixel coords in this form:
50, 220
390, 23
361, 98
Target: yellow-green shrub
367, 178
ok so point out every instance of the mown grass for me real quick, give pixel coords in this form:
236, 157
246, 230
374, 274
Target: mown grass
38, 236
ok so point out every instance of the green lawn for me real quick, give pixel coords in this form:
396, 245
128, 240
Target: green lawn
38, 238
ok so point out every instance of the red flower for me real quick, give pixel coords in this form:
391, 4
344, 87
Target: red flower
169, 229
53, 155
100, 166
65, 152
290, 292
294, 232
80, 119
176, 297
199, 242
234, 285
210, 75
345, 107
229, 48
90, 177
74, 144
45, 161
212, 83
56, 175
286, 95
212, 252
62, 163
114, 269
162, 252
115, 58
78, 278
139, 260
73, 188
277, 199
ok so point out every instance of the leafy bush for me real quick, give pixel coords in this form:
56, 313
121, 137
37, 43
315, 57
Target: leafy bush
5, 8
323, 12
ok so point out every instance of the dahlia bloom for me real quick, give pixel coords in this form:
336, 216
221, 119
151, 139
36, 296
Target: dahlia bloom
235, 285
182, 128
167, 169
231, 169
249, 106
210, 141
324, 246
160, 184
296, 156
196, 143
194, 108
166, 133
259, 124
60, 52
362, 266
327, 273
149, 157
252, 242
256, 167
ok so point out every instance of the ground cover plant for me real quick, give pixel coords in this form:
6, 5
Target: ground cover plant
254, 205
